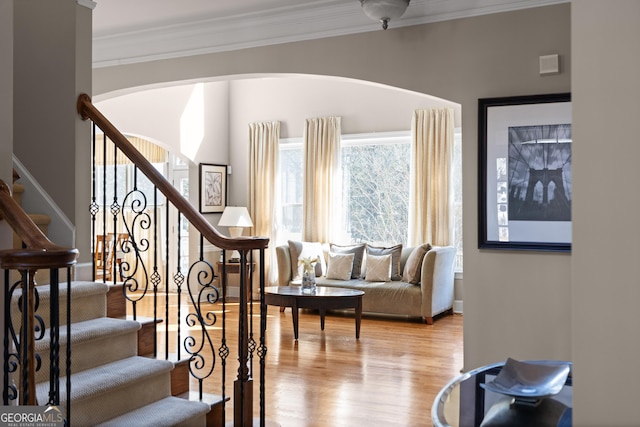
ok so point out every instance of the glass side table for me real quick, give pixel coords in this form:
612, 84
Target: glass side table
464, 403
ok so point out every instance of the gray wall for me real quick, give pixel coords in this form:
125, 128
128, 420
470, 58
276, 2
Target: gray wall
605, 288
460, 60
52, 64
6, 115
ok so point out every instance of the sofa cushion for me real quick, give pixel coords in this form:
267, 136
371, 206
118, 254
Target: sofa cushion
413, 266
395, 252
357, 251
339, 266
378, 268
303, 250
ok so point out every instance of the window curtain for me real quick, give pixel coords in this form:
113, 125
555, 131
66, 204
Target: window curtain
321, 175
430, 211
153, 152
263, 168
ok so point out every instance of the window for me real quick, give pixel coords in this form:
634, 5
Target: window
291, 186
124, 176
375, 189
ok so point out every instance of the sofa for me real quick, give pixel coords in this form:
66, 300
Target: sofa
427, 294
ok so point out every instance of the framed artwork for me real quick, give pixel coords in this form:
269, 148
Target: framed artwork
524, 183
213, 188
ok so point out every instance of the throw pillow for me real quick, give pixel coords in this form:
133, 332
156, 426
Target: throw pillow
358, 254
413, 266
395, 252
378, 268
302, 250
339, 266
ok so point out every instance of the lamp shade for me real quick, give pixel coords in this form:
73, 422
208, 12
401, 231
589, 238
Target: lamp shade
384, 10
235, 217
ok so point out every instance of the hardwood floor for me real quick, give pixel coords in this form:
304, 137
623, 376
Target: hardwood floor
389, 377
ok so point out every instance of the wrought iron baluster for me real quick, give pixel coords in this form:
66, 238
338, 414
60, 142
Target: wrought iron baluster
155, 276
93, 207
201, 277
178, 280
54, 328
135, 277
166, 285
224, 351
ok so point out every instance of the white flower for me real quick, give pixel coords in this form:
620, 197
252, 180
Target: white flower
308, 262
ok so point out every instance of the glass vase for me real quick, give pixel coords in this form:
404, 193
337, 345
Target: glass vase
308, 281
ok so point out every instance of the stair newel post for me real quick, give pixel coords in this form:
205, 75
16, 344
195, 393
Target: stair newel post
243, 392
262, 350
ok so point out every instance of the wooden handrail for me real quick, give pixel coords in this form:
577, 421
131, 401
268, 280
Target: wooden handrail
87, 110
40, 252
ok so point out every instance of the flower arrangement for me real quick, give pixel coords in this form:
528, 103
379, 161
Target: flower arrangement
308, 263
308, 274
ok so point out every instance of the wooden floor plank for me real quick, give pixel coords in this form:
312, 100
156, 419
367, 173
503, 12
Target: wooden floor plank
389, 377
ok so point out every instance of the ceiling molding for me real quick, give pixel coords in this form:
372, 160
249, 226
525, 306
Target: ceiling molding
277, 26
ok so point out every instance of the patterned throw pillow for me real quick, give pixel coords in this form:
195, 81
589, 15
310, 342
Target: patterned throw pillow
358, 254
306, 249
395, 252
339, 266
378, 268
413, 266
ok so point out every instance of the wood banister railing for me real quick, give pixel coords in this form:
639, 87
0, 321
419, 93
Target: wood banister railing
88, 111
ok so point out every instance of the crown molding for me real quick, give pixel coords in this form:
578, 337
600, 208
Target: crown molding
277, 26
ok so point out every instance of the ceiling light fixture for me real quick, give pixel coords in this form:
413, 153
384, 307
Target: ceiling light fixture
384, 10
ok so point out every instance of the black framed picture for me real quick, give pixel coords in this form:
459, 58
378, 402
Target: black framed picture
524, 183
212, 188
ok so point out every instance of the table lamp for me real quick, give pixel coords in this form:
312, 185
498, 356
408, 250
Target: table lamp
235, 218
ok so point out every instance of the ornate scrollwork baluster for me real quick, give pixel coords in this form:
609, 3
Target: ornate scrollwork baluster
199, 344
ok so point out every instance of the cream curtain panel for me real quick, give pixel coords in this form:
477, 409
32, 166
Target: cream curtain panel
263, 168
430, 182
153, 152
321, 175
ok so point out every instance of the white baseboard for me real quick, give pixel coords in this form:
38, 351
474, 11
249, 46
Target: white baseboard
457, 306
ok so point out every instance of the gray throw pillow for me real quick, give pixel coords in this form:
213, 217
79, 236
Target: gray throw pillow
358, 254
413, 266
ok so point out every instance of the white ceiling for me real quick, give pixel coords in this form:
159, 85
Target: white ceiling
129, 31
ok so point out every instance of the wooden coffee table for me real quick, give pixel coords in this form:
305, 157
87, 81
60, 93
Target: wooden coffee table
325, 298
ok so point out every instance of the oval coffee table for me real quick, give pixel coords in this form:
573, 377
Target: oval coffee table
324, 298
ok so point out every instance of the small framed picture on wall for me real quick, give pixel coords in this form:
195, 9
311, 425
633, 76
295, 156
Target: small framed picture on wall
213, 188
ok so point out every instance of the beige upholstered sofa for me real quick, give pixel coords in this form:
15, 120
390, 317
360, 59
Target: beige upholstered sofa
431, 296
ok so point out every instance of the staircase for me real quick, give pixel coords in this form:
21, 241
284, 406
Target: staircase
111, 385
112, 382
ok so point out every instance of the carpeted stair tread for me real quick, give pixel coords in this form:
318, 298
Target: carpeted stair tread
79, 289
88, 301
107, 378
91, 330
171, 411
93, 343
